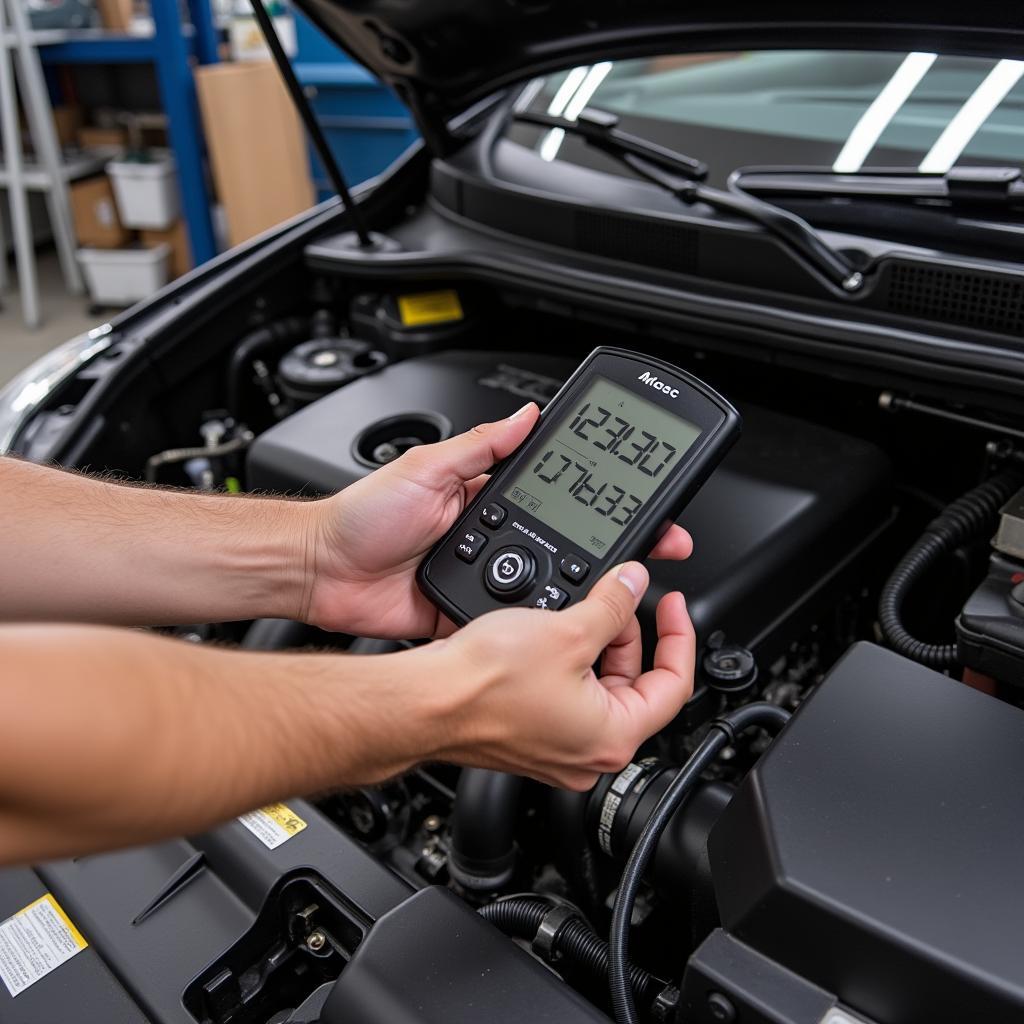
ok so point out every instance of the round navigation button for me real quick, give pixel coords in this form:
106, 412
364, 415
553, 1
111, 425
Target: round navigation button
510, 572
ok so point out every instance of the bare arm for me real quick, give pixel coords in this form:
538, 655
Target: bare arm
111, 737
81, 549
114, 737
86, 550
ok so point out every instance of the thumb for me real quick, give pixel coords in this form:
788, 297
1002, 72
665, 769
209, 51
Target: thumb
608, 608
467, 455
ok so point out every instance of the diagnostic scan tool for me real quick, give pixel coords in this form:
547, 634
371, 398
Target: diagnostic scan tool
613, 460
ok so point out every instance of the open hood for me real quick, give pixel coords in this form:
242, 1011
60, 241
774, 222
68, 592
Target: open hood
443, 55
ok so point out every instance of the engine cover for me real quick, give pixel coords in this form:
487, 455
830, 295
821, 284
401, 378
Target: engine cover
791, 506
874, 850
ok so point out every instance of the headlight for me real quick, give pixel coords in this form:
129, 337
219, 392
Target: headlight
23, 395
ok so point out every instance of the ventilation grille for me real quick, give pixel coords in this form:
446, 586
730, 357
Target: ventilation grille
667, 246
990, 302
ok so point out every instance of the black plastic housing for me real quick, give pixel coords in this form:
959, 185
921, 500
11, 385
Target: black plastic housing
790, 512
433, 960
458, 589
990, 628
874, 850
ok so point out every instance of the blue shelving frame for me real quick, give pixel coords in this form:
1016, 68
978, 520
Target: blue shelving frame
170, 50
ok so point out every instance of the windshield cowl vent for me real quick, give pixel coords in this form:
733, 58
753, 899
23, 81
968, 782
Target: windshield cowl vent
987, 301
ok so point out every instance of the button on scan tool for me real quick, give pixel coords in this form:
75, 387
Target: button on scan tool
574, 568
510, 572
469, 545
493, 515
550, 597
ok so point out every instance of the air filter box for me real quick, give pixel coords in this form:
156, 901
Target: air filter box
874, 850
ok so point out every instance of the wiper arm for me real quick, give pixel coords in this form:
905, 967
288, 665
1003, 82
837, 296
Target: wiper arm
683, 177
961, 186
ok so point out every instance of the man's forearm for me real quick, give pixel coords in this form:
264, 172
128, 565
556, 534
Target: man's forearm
144, 737
81, 549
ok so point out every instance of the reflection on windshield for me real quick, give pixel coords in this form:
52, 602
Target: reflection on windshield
844, 110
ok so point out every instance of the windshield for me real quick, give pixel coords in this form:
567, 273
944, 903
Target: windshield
837, 109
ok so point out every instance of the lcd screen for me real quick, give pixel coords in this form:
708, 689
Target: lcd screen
600, 464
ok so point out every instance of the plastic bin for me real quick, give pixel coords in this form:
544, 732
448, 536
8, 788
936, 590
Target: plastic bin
246, 39
120, 277
146, 193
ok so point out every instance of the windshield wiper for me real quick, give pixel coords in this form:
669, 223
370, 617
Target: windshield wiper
683, 177
962, 186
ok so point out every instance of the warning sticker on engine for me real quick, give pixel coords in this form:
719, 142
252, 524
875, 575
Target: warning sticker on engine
430, 308
273, 825
34, 942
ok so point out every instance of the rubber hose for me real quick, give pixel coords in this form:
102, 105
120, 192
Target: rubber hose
522, 916
721, 733
483, 845
292, 328
968, 518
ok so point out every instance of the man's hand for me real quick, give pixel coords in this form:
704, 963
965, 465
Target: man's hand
521, 695
369, 539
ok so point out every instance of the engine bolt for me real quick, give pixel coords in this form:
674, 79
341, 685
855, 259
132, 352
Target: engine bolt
432, 823
316, 940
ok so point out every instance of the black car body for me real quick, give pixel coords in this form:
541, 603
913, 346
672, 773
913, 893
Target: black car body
862, 866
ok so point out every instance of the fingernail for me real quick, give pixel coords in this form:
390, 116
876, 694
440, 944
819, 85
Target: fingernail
520, 412
633, 576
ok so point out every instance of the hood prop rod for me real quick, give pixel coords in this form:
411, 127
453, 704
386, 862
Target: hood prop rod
316, 135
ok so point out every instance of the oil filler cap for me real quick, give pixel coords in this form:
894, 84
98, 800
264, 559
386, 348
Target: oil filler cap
727, 668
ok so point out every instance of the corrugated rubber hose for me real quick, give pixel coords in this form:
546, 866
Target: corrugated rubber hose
522, 917
969, 518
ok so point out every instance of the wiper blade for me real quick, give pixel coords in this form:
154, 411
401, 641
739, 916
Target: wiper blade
961, 186
683, 176
600, 129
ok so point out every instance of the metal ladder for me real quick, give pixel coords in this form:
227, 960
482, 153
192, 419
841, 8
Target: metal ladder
19, 62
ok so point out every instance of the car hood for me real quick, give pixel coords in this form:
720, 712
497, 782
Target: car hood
441, 56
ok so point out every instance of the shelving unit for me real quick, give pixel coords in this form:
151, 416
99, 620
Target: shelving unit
170, 49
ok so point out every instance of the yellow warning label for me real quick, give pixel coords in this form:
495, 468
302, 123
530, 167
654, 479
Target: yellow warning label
430, 308
35, 941
273, 825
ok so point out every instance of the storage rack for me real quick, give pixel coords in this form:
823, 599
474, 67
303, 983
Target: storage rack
170, 49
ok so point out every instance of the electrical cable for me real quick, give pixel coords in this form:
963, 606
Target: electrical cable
174, 455
721, 733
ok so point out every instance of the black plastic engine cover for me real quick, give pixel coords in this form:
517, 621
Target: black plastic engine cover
433, 960
875, 849
792, 504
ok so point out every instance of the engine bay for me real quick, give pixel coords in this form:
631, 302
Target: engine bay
854, 866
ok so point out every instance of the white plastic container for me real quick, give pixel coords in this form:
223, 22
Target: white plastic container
146, 193
120, 277
246, 39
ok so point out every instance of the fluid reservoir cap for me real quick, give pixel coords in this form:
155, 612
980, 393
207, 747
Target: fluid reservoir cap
385, 440
728, 668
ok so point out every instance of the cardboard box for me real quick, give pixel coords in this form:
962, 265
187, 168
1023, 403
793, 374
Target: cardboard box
95, 214
116, 15
66, 122
256, 146
113, 139
176, 236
